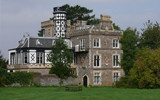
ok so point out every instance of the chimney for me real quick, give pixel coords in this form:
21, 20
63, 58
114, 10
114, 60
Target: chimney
105, 18
81, 23
106, 22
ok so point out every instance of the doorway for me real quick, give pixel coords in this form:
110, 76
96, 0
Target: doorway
85, 83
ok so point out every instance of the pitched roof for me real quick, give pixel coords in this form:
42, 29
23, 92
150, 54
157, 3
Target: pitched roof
38, 42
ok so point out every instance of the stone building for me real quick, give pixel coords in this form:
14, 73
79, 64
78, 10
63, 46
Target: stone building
97, 52
31, 54
96, 48
47, 27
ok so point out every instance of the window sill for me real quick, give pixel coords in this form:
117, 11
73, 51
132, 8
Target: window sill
96, 47
115, 47
116, 67
96, 67
97, 83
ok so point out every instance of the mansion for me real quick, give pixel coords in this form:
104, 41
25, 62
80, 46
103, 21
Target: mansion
96, 48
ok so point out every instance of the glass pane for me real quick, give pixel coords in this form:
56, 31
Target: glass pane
97, 60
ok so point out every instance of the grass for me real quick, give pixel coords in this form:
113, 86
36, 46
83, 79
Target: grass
93, 93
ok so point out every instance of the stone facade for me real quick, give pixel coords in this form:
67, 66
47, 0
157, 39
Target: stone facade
52, 80
97, 53
47, 27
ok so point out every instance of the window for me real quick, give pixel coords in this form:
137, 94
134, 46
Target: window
25, 57
96, 60
115, 43
97, 78
48, 31
96, 43
39, 57
116, 61
12, 58
116, 76
82, 43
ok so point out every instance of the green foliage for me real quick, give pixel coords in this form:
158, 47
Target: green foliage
123, 82
93, 21
61, 70
3, 62
129, 47
116, 27
77, 12
5, 78
40, 33
23, 78
146, 70
61, 58
150, 36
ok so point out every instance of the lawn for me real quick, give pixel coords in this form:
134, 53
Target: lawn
93, 93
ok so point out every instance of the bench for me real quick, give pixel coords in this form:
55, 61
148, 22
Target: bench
73, 88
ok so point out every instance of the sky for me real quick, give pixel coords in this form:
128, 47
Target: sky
18, 17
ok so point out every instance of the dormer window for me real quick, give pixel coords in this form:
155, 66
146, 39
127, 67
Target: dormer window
38, 42
53, 42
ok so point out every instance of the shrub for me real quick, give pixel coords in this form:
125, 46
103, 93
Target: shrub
145, 72
23, 78
5, 78
122, 83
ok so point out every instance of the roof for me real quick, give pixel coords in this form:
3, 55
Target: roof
36, 42
39, 43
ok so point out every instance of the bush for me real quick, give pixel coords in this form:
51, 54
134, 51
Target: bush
145, 72
122, 83
23, 78
5, 78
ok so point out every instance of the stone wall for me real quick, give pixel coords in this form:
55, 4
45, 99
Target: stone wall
52, 80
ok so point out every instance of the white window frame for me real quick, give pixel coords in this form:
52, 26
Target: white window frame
115, 43
116, 77
95, 42
46, 54
26, 57
82, 44
95, 66
97, 81
12, 58
117, 63
39, 57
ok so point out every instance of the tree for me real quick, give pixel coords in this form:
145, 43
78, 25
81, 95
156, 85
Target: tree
61, 58
77, 12
150, 36
40, 33
146, 70
3, 62
116, 27
129, 47
93, 21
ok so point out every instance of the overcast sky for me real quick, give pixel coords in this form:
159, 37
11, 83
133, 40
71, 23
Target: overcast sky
20, 16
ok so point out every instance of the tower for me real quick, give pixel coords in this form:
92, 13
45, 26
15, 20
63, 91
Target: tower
59, 22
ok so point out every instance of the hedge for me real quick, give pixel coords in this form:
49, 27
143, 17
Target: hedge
23, 78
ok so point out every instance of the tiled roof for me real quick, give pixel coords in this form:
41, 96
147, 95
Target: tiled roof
38, 42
